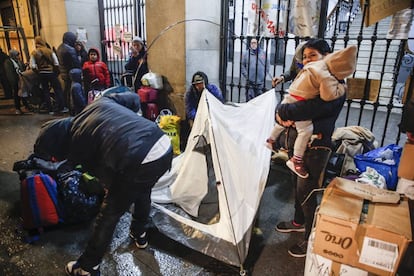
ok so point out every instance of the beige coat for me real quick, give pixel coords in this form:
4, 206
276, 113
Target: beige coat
322, 77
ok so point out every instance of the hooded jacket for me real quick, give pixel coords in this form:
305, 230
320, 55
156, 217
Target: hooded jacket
106, 134
192, 96
76, 90
66, 53
43, 59
252, 60
324, 77
95, 70
109, 134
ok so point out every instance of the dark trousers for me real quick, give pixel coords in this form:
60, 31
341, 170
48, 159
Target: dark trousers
17, 99
315, 160
132, 186
253, 90
51, 79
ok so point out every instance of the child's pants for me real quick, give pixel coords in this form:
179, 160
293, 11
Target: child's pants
304, 129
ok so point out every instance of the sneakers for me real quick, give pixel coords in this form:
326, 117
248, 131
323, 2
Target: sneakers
73, 269
140, 240
289, 226
64, 110
299, 249
297, 167
18, 112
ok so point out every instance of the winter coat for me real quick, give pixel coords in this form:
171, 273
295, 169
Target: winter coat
95, 70
133, 64
53, 140
192, 96
82, 54
323, 115
13, 67
76, 90
108, 133
324, 77
253, 59
66, 53
43, 59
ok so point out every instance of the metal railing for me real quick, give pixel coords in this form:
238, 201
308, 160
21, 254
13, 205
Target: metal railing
379, 58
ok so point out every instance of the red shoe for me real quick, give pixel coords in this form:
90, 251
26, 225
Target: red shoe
297, 167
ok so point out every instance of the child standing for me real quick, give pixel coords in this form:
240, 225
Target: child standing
322, 76
95, 72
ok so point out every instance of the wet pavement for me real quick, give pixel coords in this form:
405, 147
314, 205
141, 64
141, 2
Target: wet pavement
47, 256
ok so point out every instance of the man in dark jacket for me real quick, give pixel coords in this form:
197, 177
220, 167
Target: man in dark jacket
323, 115
128, 153
68, 59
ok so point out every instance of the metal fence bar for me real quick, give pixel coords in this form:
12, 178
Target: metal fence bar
375, 59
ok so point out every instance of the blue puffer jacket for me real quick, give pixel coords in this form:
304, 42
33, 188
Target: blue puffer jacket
192, 96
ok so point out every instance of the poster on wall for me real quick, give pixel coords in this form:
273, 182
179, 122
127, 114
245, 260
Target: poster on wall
81, 35
263, 20
380, 9
305, 18
401, 24
271, 18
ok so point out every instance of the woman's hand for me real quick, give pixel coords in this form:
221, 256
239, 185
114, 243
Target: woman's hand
287, 123
277, 80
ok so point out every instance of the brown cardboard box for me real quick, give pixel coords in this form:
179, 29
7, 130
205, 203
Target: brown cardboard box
406, 166
372, 236
316, 265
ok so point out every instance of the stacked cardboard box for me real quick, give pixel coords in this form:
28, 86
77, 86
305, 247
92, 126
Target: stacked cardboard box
362, 227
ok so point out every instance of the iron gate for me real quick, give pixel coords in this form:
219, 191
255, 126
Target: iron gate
379, 58
120, 21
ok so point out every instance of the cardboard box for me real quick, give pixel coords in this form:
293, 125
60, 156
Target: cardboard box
406, 187
316, 265
406, 167
356, 227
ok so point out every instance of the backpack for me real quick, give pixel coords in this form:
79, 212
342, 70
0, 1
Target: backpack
80, 201
39, 201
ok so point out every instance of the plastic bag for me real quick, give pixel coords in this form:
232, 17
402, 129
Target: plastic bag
152, 79
170, 124
373, 178
384, 160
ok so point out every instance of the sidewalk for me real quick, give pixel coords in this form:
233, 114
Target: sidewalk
267, 255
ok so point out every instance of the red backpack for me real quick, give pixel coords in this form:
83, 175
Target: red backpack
39, 199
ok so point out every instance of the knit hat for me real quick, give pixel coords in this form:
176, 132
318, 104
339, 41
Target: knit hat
13, 53
342, 63
138, 39
198, 78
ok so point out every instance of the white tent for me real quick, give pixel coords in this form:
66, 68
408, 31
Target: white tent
209, 199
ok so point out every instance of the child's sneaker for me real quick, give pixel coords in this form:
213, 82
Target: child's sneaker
73, 269
140, 240
297, 167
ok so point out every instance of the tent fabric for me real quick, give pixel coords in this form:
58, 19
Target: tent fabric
231, 137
